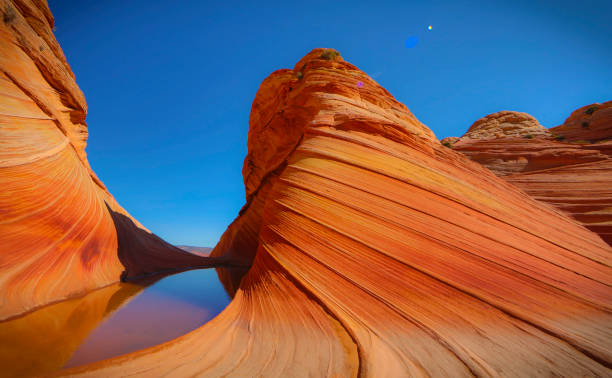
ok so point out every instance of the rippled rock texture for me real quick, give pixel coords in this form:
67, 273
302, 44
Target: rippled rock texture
568, 166
506, 124
377, 251
61, 232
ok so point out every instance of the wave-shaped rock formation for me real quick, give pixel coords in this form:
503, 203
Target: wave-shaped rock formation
376, 251
568, 166
61, 231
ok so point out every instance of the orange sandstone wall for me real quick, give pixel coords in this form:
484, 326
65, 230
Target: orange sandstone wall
379, 252
61, 232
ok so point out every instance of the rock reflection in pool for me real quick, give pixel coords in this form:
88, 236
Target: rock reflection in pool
114, 320
165, 310
43, 340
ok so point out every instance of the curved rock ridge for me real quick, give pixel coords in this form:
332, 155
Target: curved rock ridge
61, 232
378, 252
506, 124
563, 170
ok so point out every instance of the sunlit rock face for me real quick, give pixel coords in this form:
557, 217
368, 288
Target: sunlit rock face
568, 166
61, 232
376, 251
506, 124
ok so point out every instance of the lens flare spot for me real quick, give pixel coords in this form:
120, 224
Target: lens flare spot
412, 41
429, 27
360, 84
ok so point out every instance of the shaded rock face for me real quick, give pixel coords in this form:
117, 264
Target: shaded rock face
556, 167
61, 231
378, 252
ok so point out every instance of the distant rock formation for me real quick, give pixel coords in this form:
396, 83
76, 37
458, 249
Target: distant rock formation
592, 123
568, 166
61, 232
376, 251
203, 251
506, 124
448, 141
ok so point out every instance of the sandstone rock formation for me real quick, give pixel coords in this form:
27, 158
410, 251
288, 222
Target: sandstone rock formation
449, 141
378, 252
61, 232
558, 166
506, 124
589, 123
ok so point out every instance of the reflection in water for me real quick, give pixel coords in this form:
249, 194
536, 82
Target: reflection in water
115, 320
43, 340
165, 310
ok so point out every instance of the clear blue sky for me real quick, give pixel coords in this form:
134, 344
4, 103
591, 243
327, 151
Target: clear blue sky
170, 83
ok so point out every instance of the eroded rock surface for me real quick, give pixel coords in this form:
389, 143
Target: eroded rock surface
506, 124
61, 232
376, 251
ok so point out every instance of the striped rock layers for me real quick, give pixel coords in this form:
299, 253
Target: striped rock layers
61, 232
378, 252
568, 166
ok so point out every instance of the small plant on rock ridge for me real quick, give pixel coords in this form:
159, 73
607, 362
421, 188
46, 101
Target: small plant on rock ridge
560, 138
529, 136
330, 54
590, 110
585, 124
447, 144
299, 75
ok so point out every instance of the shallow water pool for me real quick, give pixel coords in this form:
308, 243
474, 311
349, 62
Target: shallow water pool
111, 321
